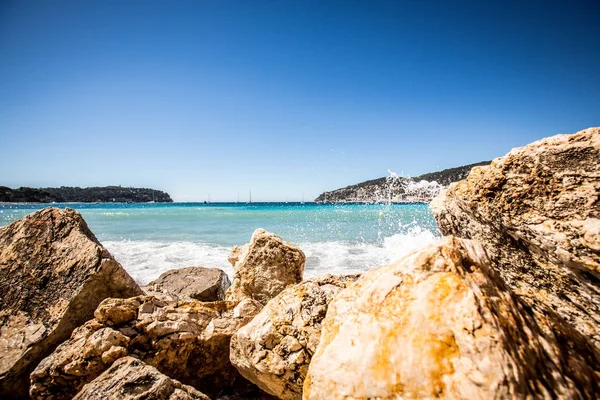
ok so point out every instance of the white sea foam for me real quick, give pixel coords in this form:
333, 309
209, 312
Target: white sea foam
399, 245
146, 260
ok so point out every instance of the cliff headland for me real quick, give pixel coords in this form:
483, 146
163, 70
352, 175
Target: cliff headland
421, 188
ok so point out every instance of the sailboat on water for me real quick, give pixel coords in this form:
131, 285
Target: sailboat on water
249, 197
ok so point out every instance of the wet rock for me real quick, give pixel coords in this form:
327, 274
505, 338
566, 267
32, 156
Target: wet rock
131, 379
274, 349
537, 210
441, 323
192, 283
187, 341
264, 267
53, 274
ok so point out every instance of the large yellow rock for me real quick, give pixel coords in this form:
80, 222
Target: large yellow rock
537, 210
53, 274
440, 323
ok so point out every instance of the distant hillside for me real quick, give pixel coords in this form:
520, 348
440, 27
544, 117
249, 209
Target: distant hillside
400, 189
83, 195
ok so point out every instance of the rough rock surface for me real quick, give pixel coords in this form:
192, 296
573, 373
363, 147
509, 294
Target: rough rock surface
264, 267
131, 379
53, 274
187, 341
274, 349
192, 283
441, 323
537, 210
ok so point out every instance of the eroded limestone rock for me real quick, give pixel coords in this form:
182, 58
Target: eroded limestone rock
274, 349
131, 379
264, 267
192, 283
53, 274
537, 211
187, 341
440, 323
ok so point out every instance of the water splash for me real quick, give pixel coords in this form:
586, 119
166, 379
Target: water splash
401, 188
422, 190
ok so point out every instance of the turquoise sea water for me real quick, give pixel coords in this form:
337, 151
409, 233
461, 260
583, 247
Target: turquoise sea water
148, 239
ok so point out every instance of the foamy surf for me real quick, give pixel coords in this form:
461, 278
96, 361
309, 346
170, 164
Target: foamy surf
146, 260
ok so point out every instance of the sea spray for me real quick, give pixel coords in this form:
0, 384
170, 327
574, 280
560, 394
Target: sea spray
401, 188
394, 182
422, 190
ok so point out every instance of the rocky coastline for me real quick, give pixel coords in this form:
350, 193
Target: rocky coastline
65, 194
505, 305
398, 189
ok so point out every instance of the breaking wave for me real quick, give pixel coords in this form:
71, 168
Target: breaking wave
146, 260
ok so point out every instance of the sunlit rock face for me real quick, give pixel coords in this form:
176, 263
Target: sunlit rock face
537, 211
187, 341
274, 349
132, 379
264, 267
53, 274
441, 323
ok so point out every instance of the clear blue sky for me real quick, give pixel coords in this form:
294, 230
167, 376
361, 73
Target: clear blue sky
283, 97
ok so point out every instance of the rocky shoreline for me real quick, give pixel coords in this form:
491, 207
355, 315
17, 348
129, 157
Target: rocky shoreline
64, 194
398, 189
506, 305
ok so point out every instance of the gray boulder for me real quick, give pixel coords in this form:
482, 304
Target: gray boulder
192, 283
